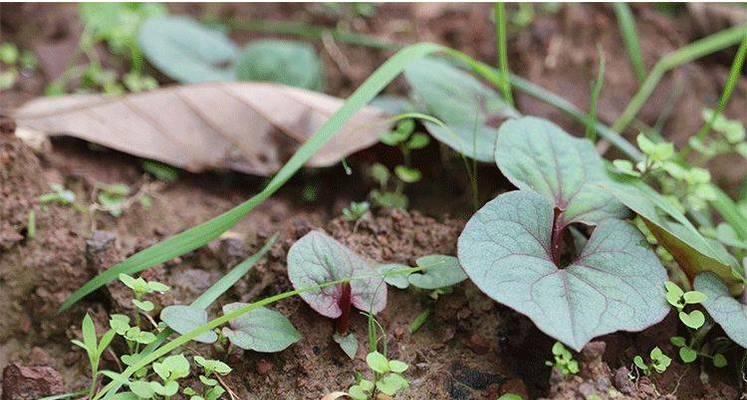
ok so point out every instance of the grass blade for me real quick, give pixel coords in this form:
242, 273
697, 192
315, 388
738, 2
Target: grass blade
693, 51
501, 42
626, 22
591, 131
203, 233
735, 72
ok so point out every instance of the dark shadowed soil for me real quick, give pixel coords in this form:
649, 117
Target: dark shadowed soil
470, 348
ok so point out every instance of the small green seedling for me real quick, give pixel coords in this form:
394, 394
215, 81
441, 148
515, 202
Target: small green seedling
140, 287
59, 195
511, 396
659, 362
14, 62
388, 378
212, 390
355, 211
161, 171
94, 348
170, 370
113, 198
678, 299
689, 353
385, 197
563, 360
730, 139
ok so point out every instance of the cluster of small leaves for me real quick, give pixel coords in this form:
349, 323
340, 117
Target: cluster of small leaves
93, 347
114, 25
212, 388
388, 378
563, 360
687, 187
14, 62
730, 139
404, 137
678, 299
140, 287
356, 210
659, 362
689, 354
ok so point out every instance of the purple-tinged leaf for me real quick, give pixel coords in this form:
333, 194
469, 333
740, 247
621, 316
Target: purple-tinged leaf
616, 283
317, 258
538, 155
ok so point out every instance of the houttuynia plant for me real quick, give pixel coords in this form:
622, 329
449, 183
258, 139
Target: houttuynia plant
517, 248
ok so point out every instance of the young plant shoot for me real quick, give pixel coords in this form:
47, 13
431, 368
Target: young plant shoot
317, 258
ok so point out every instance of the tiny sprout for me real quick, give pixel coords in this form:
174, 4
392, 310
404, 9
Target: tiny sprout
59, 195
388, 376
94, 348
678, 298
510, 396
213, 390
113, 198
564, 361
355, 211
142, 287
659, 362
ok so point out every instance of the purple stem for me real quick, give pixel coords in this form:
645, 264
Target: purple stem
345, 302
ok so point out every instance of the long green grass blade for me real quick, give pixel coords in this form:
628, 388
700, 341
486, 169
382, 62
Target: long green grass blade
501, 42
199, 235
693, 51
729, 211
591, 131
626, 22
735, 72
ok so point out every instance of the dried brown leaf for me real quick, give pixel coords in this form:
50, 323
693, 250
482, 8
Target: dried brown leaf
244, 126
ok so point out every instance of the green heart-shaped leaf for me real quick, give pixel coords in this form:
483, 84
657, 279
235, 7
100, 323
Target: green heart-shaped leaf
616, 282
688, 355
694, 319
187, 51
675, 232
469, 109
536, 154
184, 319
282, 61
262, 330
317, 258
440, 271
395, 275
348, 343
724, 309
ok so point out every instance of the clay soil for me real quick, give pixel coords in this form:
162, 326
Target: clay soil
470, 347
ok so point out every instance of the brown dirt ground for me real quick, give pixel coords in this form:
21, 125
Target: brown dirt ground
471, 347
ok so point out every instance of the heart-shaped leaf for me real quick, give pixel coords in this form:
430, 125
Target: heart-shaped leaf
282, 61
470, 110
694, 319
348, 343
317, 258
675, 232
616, 283
440, 271
262, 330
184, 319
536, 154
395, 275
187, 51
725, 309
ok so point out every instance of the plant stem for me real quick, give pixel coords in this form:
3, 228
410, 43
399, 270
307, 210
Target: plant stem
311, 32
343, 321
693, 51
556, 241
501, 41
591, 132
626, 22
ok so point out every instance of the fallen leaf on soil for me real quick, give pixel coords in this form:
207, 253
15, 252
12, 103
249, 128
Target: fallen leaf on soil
249, 127
334, 395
